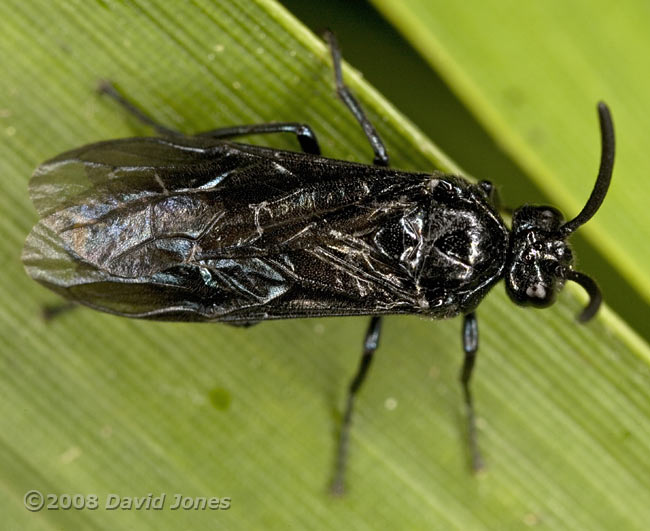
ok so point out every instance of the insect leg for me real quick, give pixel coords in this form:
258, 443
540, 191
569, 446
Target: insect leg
381, 155
494, 197
369, 346
303, 132
53, 311
106, 87
470, 346
488, 188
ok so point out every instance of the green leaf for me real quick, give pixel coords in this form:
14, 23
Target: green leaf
94, 404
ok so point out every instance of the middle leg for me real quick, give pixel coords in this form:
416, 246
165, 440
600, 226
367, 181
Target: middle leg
378, 147
372, 335
370, 345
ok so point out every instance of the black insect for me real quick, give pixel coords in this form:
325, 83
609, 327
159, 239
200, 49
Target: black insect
198, 228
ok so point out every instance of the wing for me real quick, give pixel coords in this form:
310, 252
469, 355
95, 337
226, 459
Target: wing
199, 229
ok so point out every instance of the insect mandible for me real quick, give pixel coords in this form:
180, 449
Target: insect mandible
199, 228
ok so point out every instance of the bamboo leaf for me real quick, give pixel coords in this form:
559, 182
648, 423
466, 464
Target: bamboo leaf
94, 404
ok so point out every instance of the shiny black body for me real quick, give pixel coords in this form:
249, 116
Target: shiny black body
200, 229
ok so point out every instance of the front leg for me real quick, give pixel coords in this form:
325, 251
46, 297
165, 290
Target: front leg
470, 348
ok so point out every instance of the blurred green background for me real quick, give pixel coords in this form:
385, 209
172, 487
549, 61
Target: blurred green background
95, 404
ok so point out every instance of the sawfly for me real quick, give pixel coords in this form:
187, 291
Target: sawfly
201, 228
